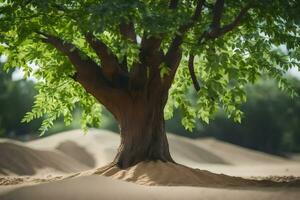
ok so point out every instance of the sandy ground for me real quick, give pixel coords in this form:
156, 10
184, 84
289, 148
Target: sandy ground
98, 187
67, 166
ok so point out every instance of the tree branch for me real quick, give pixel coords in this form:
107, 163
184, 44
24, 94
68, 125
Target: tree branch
196, 16
192, 72
127, 31
152, 44
86, 69
109, 61
88, 73
177, 41
237, 20
215, 29
150, 56
68, 49
198, 10
173, 53
217, 14
177, 55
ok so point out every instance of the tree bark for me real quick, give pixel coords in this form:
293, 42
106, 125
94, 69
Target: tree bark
142, 129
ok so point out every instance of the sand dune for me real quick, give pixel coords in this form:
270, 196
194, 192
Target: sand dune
238, 155
100, 144
98, 148
18, 159
66, 166
210, 150
104, 143
170, 174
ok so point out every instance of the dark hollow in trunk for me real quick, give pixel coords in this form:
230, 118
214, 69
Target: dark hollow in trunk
143, 136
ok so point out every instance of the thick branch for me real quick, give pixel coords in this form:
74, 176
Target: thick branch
196, 16
177, 41
192, 72
127, 31
152, 44
216, 31
174, 61
86, 69
198, 10
88, 73
109, 61
68, 49
217, 14
173, 55
236, 21
151, 56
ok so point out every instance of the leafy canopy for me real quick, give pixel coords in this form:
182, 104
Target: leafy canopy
224, 46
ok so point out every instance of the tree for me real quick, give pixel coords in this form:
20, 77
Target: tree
125, 54
271, 121
16, 98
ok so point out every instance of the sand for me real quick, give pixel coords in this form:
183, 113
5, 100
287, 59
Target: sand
99, 147
99, 187
18, 159
66, 166
170, 174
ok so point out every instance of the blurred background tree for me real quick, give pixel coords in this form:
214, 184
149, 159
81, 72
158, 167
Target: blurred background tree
271, 121
16, 98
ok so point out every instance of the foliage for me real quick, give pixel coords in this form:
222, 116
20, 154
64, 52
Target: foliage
224, 65
271, 122
15, 99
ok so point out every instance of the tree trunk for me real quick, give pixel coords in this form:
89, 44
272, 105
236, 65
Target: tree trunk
143, 136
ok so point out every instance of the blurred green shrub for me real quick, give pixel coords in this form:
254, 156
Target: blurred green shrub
16, 98
271, 121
